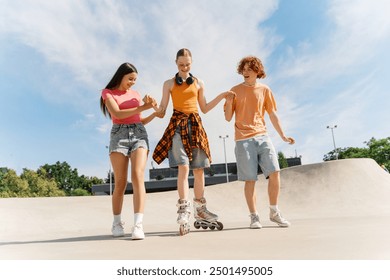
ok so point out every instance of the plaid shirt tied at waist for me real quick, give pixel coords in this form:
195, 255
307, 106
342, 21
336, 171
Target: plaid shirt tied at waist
198, 136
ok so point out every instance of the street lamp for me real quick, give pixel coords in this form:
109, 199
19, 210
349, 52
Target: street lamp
224, 150
334, 143
109, 172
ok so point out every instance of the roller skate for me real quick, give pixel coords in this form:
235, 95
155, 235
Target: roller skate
204, 218
183, 218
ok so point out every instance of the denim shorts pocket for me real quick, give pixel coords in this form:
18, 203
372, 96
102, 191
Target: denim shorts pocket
141, 131
115, 129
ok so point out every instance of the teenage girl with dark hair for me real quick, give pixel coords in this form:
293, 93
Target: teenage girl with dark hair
128, 142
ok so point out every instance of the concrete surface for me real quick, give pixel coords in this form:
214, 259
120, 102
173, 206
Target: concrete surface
339, 210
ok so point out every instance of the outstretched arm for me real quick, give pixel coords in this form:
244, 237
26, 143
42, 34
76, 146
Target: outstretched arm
148, 119
207, 106
276, 123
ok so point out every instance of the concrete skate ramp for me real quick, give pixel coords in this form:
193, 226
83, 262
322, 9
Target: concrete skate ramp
351, 187
338, 210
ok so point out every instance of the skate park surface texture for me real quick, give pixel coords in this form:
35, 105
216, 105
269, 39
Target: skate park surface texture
339, 210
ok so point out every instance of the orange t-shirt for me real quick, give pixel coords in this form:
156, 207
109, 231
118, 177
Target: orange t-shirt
185, 97
249, 106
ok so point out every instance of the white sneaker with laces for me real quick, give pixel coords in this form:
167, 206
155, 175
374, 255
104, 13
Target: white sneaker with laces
255, 221
118, 229
137, 232
276, 217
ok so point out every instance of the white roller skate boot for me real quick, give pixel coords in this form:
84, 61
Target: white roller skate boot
204, 218
183, 218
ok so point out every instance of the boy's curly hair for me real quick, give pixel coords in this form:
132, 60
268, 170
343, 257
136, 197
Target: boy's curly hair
254, 63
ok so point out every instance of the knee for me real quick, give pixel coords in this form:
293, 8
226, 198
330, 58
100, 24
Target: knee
120, 180
274, 175
120, 185
183, 171
137, 174
198, 172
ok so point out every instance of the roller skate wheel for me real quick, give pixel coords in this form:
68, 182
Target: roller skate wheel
220, 226
204, 227
196, 225
212, 227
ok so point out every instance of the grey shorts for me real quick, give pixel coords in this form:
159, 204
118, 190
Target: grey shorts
178, 156
254, 152
126, 138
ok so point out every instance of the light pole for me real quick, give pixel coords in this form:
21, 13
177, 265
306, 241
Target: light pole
109, 172
224, 150
334, 143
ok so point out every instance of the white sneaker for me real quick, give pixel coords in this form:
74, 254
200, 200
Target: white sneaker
255, 221
137, 232
118, 229
276, 217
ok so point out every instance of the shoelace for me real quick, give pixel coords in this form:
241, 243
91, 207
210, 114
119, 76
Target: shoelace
121, 224
254, 218
138, 226
277, 214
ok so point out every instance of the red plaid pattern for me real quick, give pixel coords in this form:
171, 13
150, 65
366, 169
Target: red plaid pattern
198, 136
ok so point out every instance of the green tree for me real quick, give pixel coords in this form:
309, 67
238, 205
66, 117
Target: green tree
351, 152
62, 174
80, 192
11, 185
58, 179
66, 178
85, 183
3, 171
39, 185
282, 160
95, 180
378, 150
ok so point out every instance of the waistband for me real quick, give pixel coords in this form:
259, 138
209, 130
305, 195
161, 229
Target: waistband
130, 125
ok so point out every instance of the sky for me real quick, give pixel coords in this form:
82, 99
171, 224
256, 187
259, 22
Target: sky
327, 63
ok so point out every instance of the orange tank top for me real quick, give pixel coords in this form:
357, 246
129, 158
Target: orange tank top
185, 97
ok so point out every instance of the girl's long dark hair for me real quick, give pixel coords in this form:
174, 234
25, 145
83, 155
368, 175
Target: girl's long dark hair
124, 69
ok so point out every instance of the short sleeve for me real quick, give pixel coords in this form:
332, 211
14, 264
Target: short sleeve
106, 93
269, 101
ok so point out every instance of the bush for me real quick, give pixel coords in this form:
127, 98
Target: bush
79, 192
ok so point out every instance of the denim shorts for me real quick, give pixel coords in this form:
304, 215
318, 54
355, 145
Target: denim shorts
254, 152
178, 156
126, 138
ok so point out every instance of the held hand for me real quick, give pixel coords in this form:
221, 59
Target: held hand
230, 95
154, 104
150, 102
289, 140
147, 99
160, 113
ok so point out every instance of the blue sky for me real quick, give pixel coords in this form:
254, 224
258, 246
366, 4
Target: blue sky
327, 63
